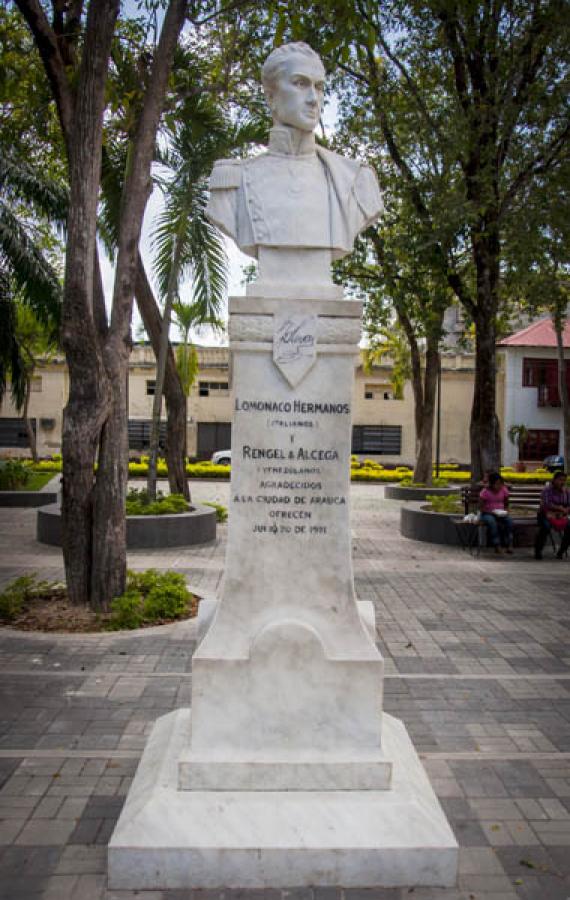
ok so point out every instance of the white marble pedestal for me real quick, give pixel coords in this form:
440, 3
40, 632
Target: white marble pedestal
286, 772
172, 839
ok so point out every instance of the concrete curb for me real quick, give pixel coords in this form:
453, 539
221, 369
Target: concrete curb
397, 492
143, 532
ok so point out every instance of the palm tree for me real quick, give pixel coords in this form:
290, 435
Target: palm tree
391, 342
187, 245
31, 206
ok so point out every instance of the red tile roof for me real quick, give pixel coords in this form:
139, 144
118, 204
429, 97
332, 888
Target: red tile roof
539, 334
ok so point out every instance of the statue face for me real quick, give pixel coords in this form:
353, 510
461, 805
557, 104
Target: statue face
296, 98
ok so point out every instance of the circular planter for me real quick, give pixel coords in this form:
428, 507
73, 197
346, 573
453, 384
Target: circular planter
420, 524
397, 492
198, 526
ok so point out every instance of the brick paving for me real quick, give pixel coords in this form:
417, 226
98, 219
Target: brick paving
477, 665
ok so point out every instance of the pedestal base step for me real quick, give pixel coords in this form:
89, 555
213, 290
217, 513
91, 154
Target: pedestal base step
171, 839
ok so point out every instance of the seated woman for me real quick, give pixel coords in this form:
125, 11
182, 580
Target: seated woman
554, 513
494, 504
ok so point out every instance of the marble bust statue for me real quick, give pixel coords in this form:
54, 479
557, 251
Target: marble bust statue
296, 206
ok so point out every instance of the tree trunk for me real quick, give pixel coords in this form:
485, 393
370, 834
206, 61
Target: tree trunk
27, 421
484, 428
108, 578
424, 461
417, 382
89, 391
109, 549
558, 321
173, 392
164, 344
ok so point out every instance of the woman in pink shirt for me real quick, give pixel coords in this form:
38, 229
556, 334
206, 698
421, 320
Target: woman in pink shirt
494, 504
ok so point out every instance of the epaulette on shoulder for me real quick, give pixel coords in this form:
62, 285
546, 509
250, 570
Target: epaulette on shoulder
226, 174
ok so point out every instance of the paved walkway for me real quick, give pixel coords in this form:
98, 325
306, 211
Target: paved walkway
478, 666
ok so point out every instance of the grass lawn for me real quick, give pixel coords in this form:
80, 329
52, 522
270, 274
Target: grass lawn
36, 481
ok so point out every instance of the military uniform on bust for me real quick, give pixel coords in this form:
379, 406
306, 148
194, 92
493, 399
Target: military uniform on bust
312, 199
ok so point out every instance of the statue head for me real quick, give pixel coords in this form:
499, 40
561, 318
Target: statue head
294, 81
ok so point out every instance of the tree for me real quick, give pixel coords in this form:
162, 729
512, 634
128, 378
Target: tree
537, 267
75, 54
390, 344
32, 208
470, 101
518, 435
36, 344
186, 242
397, 278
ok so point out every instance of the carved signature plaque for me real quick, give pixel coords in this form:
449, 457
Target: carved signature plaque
294, 345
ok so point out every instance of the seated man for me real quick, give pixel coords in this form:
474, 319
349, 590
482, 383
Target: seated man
554, 513
494, 504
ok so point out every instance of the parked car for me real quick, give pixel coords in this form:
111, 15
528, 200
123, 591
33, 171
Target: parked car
554, 463
222, 458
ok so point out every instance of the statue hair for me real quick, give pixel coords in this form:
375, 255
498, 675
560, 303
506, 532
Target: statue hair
273, 65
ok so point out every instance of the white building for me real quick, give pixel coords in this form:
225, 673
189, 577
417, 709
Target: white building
531, 391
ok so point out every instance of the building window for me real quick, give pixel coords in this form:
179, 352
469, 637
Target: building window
383, 440
150, 388
543, 375
541, 442
139, 434
36, 384
213, 388
538, 372
372, 391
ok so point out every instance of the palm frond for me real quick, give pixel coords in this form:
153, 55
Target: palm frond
31, 272
22, 184
187, 365
11, 362
112, 176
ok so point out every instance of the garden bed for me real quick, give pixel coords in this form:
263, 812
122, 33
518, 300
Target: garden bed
198, 526
31, 492
397, 492
419, 523
28, 604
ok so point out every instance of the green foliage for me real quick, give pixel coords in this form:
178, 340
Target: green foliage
49, 465
439, 482
15, 595
389, 343
19, 592
139, 504
518, 435
221, 511
150, 596
14, 474
126, 611
439, 504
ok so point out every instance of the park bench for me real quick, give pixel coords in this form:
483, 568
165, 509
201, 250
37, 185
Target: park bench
519, 495
473, 536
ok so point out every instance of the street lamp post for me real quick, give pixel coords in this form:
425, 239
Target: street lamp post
438, 420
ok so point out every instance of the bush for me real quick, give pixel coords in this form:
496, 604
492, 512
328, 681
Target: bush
221, 511
126, 611
439, 482
444, 504
22, 590
139, 504
208, 470
14, 474
151, 596
12, 599
49, 465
